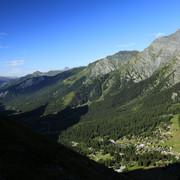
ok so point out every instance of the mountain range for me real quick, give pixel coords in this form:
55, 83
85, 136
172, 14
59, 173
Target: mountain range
127, 94
5, 79
99, 79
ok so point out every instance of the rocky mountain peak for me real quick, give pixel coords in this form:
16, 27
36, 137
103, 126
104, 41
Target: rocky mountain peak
176, 35
162, 51
37, 73
66, 69
169, 44
111, 63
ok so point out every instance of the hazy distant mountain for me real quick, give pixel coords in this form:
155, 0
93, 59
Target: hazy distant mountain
5, 79
49, 73
35, 74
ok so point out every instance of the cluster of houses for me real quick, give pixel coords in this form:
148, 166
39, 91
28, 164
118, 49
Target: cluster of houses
142, 143
150, 144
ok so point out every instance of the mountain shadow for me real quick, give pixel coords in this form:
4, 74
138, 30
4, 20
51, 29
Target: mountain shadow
31, 118
53, 124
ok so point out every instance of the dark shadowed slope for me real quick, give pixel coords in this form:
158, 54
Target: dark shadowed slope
25, 154
171, 172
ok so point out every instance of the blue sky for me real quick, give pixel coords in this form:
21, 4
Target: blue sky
51, 34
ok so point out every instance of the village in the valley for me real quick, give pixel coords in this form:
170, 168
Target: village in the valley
164, 139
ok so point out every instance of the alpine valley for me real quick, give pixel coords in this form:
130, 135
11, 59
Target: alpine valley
122, 111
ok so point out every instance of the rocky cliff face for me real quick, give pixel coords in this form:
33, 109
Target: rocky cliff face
163, 52
29, 82
109, 63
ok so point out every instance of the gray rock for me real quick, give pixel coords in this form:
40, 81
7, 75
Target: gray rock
29, 83
163, 52
109, 63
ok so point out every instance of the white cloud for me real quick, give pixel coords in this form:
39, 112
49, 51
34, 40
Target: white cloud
126, 45
2, 34
156, 34
12, 63
160, 34
14, 71
1, 47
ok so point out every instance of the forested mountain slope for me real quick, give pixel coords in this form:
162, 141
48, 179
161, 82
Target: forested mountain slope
122, 77
160, 62
28, 92
113, 81
34, 92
